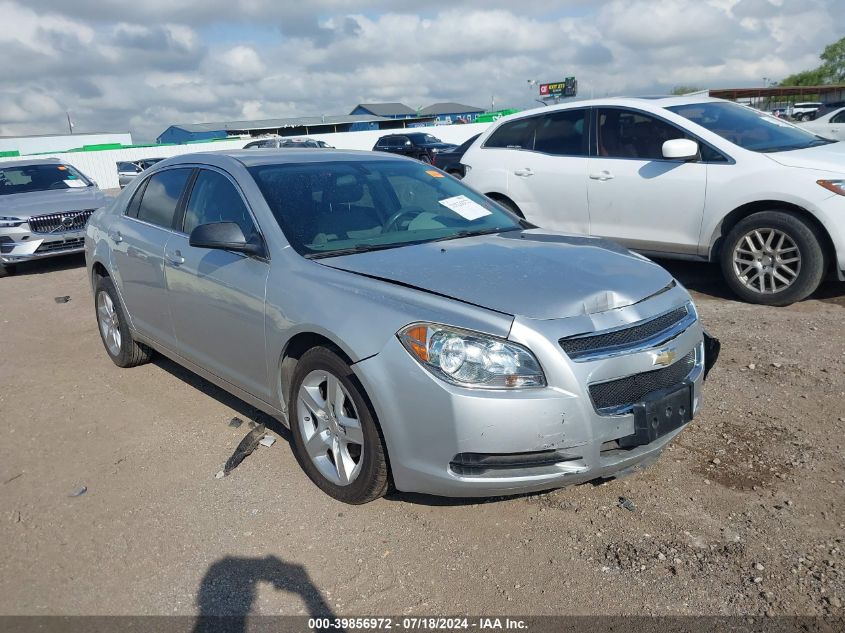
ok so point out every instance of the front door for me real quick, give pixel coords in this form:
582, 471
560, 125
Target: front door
217, 297
138, 241
636, 196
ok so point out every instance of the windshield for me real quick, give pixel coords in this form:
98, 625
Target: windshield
748, 128
334, 208
29, 178
421, 139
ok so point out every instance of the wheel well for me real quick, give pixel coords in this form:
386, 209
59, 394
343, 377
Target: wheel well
740, 213
499, 197
98, 271
294, 350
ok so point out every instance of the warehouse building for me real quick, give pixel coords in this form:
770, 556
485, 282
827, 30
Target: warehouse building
446, 112
292, 126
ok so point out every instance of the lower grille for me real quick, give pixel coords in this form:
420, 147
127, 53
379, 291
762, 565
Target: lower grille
480, 463
60, 222
66, 245
619, 396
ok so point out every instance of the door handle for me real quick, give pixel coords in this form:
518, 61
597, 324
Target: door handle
117, 237
175, 258
524, 172
602, 175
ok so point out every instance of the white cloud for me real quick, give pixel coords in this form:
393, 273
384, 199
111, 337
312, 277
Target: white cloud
145, 65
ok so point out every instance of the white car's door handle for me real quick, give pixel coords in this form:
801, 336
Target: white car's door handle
527, 171
602, 175
175, 258
117, 237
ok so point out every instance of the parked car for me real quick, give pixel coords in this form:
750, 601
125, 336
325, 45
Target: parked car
830, 125
683, 177
828, 107
419, 145
804, 111
44, 205
404, 327
284, 141
128, 170
450, 160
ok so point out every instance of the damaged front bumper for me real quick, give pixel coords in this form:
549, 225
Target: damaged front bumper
18, 244
453, 441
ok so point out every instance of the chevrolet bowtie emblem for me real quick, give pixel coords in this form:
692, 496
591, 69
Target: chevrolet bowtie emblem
664, 357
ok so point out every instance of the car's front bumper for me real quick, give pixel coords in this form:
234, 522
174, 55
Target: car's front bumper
19, 244
429, 426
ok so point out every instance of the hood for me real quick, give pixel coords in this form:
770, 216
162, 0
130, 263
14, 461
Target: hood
24, 205
829, 157
534, 273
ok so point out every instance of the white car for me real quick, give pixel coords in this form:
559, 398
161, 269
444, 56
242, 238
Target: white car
683, 177
830, 125
804, 111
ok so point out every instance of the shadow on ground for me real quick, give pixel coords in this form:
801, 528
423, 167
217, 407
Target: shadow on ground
46, 266
706, 279
228, 590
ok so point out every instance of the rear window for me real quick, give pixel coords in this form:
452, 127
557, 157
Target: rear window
517, 134
30, 178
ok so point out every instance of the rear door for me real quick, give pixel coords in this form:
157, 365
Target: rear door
546, 163
636, 196
138, 241
217, 297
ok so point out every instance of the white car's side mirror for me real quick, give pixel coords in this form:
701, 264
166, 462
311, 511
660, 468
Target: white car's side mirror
680, 149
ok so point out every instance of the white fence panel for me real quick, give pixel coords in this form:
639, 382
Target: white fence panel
102, 166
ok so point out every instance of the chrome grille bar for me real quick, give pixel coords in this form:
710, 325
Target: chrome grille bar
60, 222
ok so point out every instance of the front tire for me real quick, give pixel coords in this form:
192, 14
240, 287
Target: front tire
9, 269
335, 436
114, 327
773, 258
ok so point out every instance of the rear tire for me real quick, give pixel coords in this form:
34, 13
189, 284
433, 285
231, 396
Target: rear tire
335, 436
425, 159
773, 258
113, 326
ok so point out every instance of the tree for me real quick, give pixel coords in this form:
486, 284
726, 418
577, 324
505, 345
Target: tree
683, 90
831, 71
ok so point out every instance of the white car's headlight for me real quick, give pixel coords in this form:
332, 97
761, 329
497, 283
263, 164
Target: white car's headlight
836, 186
471, 359
8, 222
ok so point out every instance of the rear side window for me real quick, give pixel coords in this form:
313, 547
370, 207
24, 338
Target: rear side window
562, 133
215, 199
161, 195
514, 135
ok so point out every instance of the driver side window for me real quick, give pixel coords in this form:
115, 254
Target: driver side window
215, 199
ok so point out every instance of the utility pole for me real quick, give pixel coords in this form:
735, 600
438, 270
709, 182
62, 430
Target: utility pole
69, 122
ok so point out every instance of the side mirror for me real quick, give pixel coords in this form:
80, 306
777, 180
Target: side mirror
226, 236
680, 149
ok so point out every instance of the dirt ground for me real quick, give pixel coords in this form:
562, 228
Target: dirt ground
743, 515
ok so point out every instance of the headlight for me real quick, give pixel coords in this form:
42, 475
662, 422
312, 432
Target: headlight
8, 222
836, 186
471, 359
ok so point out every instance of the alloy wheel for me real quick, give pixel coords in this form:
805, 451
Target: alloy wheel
109, 323
766, 261
331, 428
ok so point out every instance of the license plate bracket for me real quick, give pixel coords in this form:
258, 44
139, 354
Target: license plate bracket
659, 413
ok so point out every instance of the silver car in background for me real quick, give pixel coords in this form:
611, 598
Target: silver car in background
44, 205
407, 329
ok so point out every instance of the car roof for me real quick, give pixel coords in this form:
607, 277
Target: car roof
647, 102
30, 162
294, 155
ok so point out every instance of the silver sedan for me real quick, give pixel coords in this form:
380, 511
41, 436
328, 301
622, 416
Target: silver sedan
409, 331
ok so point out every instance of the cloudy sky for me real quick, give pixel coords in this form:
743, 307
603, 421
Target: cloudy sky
140, 65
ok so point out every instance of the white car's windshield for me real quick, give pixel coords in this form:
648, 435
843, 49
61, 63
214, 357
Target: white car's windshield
29, 178
335, 208
748, 128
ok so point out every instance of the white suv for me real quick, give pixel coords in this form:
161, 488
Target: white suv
681, 177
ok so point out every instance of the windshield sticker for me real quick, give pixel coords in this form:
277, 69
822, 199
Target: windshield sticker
465, 207
434, 174
74, 183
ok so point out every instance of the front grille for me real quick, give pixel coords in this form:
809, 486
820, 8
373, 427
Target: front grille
65, 245
622, 339
619, 396
60, 222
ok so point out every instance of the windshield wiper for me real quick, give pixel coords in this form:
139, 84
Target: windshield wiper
359, 248
468, 233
